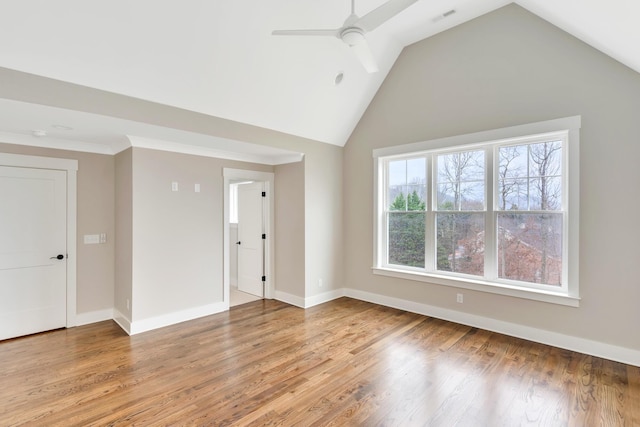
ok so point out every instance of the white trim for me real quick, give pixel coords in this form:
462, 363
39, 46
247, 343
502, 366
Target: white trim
493, 135
72, 257
94, 316
70, 166
268, 178
144, 325
198, 150
264, 155
568, 342
481, 286
309, 301
38, 162
123, 321
290, 299
55, 143
323, 297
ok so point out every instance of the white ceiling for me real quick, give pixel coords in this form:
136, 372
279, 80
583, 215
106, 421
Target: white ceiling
219, 58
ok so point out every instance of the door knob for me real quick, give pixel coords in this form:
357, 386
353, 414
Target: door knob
238, 243
60, 256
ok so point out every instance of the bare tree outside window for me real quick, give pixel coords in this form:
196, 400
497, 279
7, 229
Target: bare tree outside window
529, 222
460, 212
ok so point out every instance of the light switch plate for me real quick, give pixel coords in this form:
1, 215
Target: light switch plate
91, 239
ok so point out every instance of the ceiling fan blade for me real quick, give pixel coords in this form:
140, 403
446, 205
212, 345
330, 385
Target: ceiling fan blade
364, 55
332, 33
382, 14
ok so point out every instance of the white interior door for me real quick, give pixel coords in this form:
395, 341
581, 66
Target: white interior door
33, 218
250, 242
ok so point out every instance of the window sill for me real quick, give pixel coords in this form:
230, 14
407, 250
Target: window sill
481, 286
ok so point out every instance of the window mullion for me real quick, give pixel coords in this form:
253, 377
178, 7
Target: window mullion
490, 234
430, 229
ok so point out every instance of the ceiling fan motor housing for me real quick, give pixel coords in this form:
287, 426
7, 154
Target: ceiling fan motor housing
352, 36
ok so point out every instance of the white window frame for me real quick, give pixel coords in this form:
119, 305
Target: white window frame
566, 129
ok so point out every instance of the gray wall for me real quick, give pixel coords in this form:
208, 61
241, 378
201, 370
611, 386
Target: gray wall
124, 233
289, 224
502, 69
177, 236
323, 218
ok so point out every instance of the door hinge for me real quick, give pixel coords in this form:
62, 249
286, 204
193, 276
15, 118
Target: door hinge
264, 278
264, 236
264, 194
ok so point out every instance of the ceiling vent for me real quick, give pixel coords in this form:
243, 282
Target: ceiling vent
446, 14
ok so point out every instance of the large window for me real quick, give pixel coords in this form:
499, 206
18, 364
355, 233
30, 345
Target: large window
492, 215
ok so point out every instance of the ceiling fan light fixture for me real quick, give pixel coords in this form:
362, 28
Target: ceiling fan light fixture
353, 36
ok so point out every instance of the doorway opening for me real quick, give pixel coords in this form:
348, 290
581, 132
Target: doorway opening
248, 241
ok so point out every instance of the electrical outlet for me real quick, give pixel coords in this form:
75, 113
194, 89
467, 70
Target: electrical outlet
460, 298
319, 283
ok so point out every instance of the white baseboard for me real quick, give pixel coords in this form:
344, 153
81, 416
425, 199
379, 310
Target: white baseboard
582, 345
289, 299
93, 317
123, 321
568, 342
138, 326
323, 297
310, 301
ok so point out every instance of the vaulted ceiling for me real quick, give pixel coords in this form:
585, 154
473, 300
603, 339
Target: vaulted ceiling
219, 58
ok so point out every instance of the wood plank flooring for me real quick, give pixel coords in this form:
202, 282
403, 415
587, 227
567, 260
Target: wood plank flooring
345, 362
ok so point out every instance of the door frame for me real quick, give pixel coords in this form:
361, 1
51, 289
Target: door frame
69, 166
268, 178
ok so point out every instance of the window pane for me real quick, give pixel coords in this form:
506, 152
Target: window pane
530, 177
407, 185
513, 162
545, 193
512, 194
463, 166
416, 197
461, 181
397, 197
472, 196
406, 238
446, 197
460, 243
530, 247
417, 171
398, 172
545, 159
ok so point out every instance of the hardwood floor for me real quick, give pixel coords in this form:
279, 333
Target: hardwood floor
346, 362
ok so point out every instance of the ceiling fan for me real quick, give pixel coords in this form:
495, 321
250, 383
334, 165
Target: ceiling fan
354, 28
